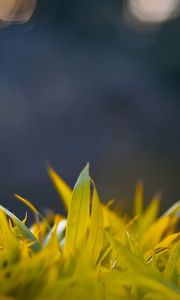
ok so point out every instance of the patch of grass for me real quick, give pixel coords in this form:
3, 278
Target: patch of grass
93, 253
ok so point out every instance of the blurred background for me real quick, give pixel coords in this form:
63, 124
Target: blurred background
96, 81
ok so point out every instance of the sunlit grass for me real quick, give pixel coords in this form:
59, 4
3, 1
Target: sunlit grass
92, 253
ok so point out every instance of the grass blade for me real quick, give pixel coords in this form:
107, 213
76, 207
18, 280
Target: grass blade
25, 231
61, 186
95, 239
78, 215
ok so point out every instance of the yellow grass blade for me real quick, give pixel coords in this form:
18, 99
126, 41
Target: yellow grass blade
95, 239
139, 199
173, 265
78, 215
61, 186
134, 245
169, 240
28, 204
138, 273
25, 231
33, 209
95, 253
8, 238
155, 234
148, 216
165, 244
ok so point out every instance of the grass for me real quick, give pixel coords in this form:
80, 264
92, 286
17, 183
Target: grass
93, 253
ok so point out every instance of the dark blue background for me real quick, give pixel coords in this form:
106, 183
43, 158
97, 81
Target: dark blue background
76, 85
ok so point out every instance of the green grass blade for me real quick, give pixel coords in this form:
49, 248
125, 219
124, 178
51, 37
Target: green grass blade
78, 215
96, 234
25, 231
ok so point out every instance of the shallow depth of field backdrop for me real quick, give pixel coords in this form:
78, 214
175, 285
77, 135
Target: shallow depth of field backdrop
95, 81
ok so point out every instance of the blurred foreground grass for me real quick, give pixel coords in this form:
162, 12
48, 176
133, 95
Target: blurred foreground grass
94, 252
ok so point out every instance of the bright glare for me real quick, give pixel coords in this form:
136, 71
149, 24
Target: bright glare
153, 11
16, 10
